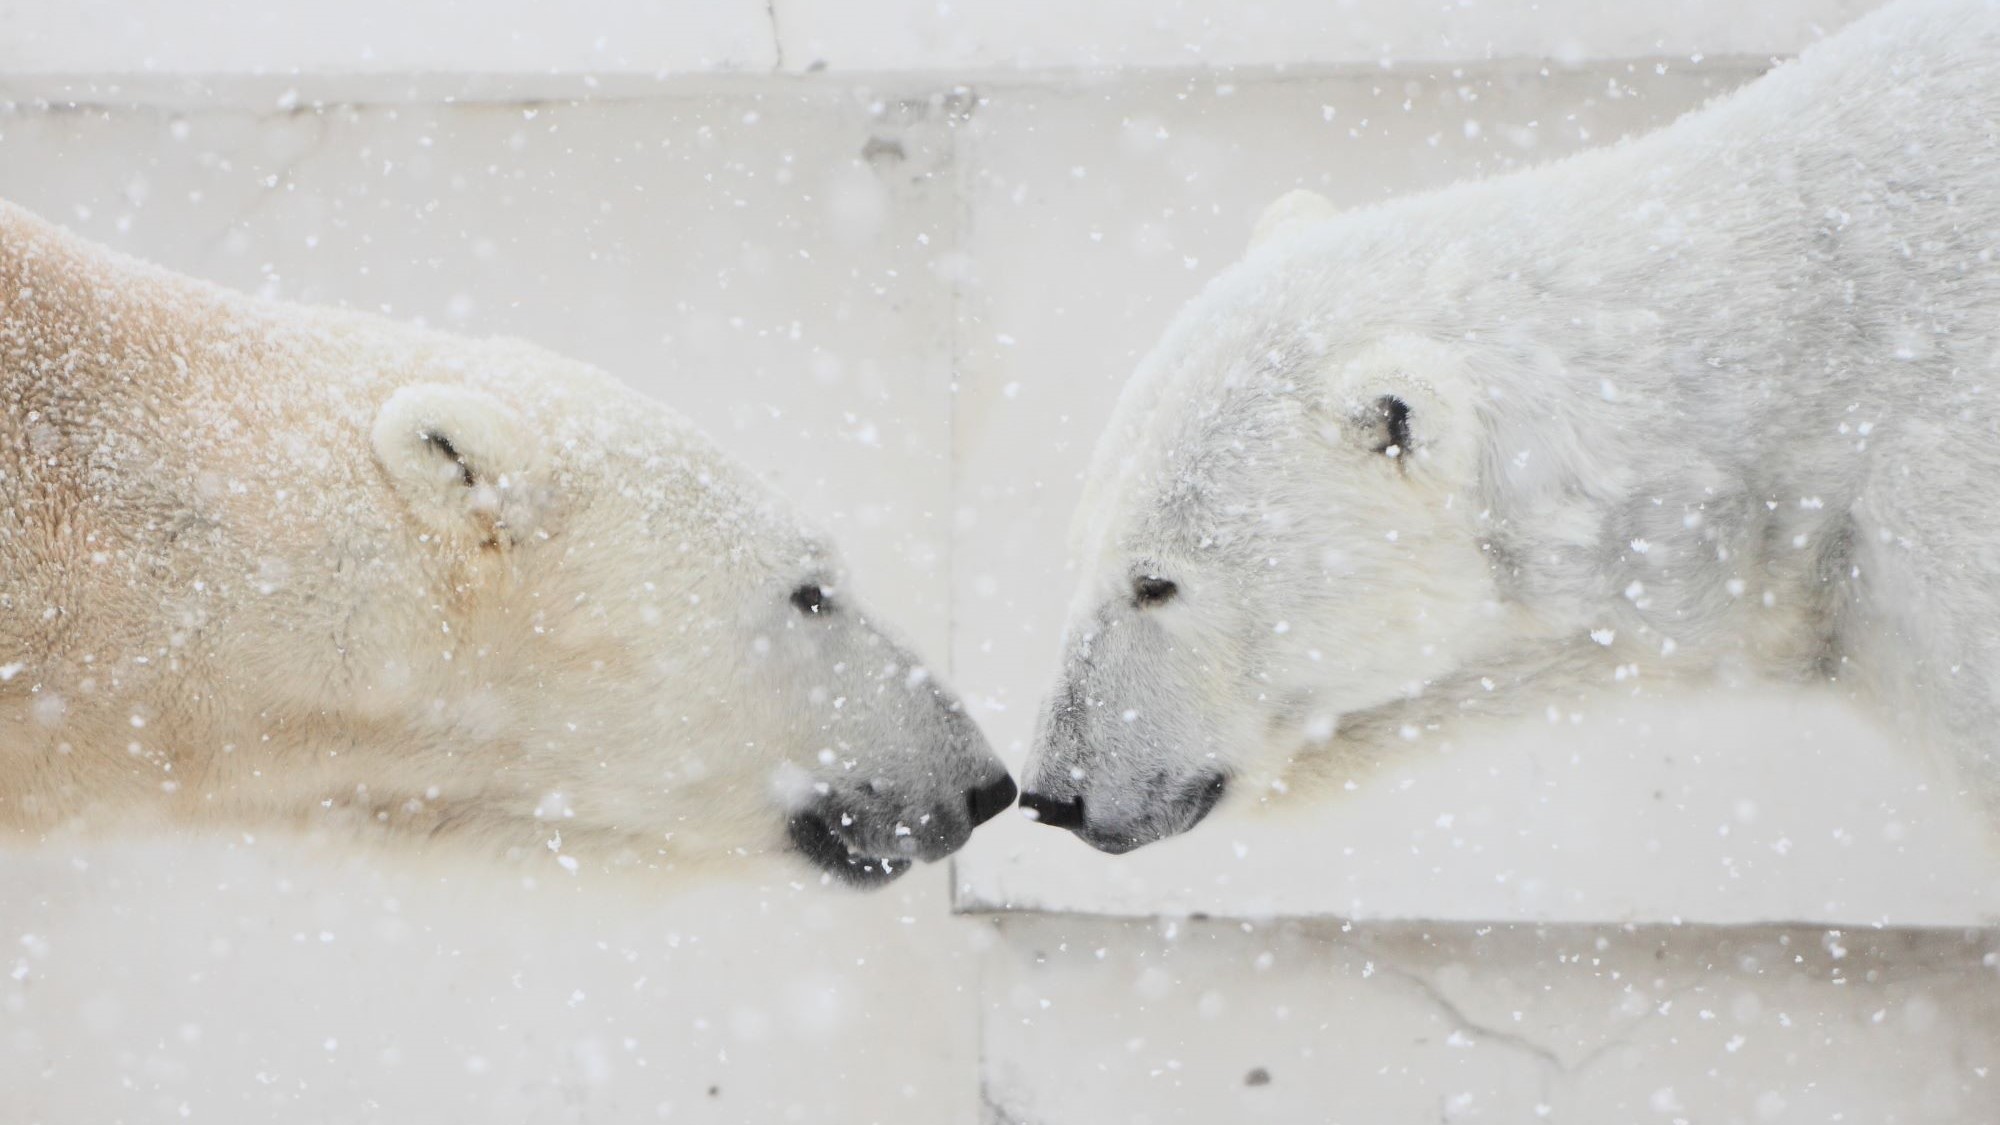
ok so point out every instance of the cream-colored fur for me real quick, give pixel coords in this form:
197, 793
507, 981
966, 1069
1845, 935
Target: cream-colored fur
265, 564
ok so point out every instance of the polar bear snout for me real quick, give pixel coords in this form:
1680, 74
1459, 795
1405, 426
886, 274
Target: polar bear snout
825, 837
1056, 812
984, 802
1136, 743
869, 834
1167, 806
894, 772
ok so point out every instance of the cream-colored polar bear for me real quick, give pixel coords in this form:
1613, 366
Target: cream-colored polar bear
1723, 399
267, 564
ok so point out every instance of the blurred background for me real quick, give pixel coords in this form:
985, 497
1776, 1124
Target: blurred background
899, 257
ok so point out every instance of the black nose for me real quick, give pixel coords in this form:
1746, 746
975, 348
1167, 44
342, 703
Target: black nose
1053, 812
985, 802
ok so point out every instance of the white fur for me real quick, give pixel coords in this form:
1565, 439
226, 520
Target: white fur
1720, 400
263, 564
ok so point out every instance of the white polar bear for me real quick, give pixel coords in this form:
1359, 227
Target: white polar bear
267, 564
1721, 400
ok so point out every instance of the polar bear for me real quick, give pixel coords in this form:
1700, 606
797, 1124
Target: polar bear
263, 564
1720, 401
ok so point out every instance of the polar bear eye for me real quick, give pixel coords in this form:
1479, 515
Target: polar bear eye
811, 599
1151, 590
1395, 436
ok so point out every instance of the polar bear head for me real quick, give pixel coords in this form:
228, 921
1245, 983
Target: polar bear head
665, 659
268, 564
1277, 544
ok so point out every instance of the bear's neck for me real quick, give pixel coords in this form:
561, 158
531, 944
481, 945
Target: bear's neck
1670, 465
113, 532
193, 548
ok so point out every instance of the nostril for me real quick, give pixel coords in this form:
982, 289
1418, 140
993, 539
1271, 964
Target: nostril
1054, 812
985, 802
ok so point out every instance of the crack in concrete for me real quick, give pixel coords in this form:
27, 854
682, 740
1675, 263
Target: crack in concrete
287, 171
1518, 1040
1465, 1022
777, 40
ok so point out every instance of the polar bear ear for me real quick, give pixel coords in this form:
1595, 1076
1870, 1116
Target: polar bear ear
1290, 213
466, 465
1410, 400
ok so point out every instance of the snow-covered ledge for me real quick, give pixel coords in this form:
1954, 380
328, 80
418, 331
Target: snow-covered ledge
1719, 808
963, 39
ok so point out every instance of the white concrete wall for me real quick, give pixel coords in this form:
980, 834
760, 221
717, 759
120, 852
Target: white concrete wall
923, 37
910, 298
1209, 1021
